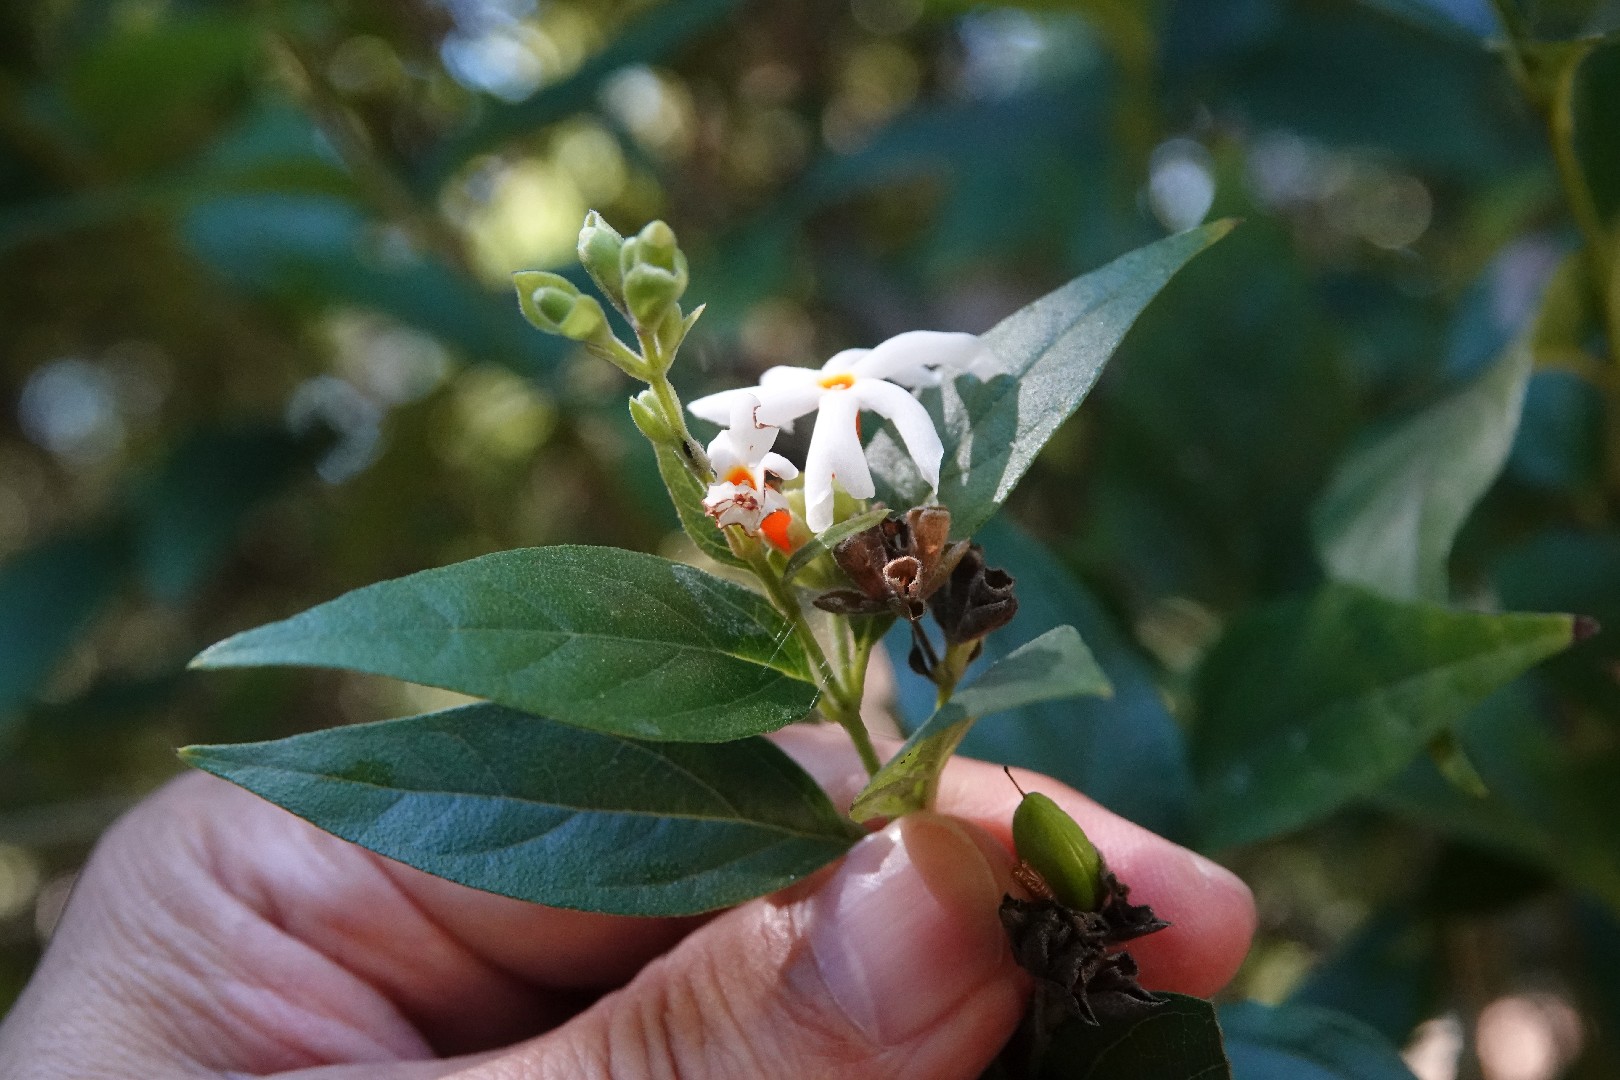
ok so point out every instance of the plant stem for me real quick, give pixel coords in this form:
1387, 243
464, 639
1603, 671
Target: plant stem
837, 701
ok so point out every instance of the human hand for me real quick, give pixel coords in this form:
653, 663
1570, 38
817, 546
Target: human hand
215, 935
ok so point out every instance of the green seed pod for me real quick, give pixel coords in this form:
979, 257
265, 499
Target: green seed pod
1055, 847
599, 249
554, 304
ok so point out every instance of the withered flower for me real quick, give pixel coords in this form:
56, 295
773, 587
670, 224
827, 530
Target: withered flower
896, 565
1080, 973
975, 600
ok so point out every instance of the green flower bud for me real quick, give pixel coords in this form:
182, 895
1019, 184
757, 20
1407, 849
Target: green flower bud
652, 268
650, 421
554, 304
599, 248
1055, 847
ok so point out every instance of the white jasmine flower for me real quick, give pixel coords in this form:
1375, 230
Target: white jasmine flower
856, 379
742, 493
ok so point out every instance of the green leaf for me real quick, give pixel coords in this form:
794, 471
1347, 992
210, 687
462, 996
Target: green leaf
1179, 1040
1055, 665
49, 594
551, 813
687, 495
1394, 508
1048, 356
606, 639
1296, 1042
821, 544
1310, 702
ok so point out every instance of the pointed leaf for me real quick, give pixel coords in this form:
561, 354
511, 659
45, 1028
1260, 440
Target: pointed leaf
602, 638
1308, 703
1055, 665
1047, 356
551, 813
1393, 510
1296, 1042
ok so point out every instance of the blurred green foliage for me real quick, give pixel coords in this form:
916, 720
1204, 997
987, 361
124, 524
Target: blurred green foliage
258, 347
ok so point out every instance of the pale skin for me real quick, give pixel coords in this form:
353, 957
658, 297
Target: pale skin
214, 935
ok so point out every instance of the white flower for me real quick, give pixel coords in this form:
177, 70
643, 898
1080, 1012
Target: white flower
742, 493
853, 380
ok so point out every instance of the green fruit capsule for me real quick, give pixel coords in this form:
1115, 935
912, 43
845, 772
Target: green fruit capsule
1055, 847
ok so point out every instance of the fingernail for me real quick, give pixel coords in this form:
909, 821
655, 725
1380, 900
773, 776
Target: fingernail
908, 926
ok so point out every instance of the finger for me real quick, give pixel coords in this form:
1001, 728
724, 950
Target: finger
894, 964
1210, 910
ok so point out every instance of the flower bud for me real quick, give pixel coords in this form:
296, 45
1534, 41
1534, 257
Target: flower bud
599, 248
653, 273
650, 420
554, 304
1056, 848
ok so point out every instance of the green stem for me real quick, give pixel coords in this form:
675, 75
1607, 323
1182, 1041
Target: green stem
837, 702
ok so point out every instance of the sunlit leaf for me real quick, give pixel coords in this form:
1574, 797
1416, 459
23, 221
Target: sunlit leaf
1395, 506
607, 639
550, 813
1047, 357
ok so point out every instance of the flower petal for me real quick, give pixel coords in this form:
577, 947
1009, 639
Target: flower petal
716, 408
845, 360
906, 358
909, 418
781, 466
785, 394
835, 452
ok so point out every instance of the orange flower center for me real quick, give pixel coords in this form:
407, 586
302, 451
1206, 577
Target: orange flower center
740, 476
838, 382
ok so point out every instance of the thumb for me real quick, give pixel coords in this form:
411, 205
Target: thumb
894, 965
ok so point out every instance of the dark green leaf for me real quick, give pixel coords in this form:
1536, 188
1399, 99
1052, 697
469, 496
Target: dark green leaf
687, 495
1310, 702
1047, 355
1393, 510
48, 596
192, 508
822, 543
1295, 1042
607, 639
1054, 666
551, 813
1179, 1040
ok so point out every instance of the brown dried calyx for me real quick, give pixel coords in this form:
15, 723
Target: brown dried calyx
896, 565
975, 600
1080, 972
906, 565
